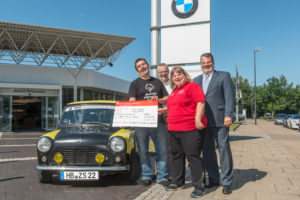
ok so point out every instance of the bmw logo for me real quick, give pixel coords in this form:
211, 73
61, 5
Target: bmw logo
184, 8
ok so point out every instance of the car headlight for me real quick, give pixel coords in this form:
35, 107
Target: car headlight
117, 144
44, 144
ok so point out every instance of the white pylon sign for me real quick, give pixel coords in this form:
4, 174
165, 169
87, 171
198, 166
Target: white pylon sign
185, 31
184, 44
181, 33
184, 11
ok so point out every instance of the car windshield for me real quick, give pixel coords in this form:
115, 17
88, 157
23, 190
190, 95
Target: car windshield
280, 116
296, 117
88, 114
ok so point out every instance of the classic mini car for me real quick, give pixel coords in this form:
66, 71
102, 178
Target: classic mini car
86, 146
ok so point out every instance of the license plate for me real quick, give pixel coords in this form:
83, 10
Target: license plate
79, 175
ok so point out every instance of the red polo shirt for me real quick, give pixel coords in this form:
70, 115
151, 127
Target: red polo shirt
182, 104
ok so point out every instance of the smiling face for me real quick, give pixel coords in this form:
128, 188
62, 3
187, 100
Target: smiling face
163, 73
207, 64
178, 79
142, 68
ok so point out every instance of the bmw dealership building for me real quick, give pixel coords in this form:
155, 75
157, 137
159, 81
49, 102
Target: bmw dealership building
42, 69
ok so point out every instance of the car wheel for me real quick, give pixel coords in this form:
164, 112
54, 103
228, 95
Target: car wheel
135, 167
45, 177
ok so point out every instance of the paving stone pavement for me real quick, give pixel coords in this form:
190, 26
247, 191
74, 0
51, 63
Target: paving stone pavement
266, 166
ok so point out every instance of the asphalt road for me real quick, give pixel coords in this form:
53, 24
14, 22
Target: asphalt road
19, 179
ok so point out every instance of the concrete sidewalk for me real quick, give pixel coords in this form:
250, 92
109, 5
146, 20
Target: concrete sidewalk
265, 167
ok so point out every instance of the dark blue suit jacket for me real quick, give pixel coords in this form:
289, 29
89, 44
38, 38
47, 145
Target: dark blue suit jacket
219, 99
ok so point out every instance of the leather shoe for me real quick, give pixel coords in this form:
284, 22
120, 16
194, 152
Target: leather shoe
227, 189
172, 187
145, 182
211, 185
198, 192
164, 183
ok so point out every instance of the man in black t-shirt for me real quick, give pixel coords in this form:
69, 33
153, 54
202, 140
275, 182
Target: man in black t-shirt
149, 88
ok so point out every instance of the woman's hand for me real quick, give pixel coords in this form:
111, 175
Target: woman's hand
199, 115
162, 110
199, 125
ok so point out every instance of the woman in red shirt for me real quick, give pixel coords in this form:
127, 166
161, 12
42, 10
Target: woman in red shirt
186, 123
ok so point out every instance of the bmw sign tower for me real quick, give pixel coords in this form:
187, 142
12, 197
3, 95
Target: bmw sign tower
180, 33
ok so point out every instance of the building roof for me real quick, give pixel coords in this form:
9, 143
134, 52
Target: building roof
63, 47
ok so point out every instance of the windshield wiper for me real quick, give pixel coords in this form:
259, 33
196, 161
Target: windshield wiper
100, 123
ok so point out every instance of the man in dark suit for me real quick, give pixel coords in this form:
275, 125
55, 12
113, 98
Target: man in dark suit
219, 107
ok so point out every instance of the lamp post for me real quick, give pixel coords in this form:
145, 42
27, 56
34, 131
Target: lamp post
256, 50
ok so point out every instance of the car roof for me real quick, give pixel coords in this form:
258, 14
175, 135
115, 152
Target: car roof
92, 102
296, 116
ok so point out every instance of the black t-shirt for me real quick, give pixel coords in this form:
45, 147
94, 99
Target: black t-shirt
145, 89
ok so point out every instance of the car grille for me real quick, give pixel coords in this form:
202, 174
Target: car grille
80, 155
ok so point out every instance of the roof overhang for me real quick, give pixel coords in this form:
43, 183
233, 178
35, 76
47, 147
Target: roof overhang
23, 43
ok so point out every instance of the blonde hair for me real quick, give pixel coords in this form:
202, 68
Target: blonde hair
179, 70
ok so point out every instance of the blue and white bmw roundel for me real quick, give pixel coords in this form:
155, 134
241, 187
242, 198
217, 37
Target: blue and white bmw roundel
184, 8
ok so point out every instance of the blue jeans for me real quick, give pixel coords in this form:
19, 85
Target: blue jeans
160, 139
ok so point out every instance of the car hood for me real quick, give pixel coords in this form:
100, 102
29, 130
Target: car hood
84, 136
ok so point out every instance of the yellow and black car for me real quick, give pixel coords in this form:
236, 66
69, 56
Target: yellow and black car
86, 146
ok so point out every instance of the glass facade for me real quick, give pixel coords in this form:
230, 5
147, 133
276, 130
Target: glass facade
18, 105
5, 113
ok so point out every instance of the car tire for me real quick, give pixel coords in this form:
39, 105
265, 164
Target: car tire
135, 167
45, 177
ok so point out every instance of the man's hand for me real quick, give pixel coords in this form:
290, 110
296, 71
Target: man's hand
163, 100
227, 121
154, 98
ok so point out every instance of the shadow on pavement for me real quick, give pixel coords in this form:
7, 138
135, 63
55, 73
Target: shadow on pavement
237, 138
243, 176
12, 178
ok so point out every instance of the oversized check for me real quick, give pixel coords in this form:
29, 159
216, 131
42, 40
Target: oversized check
136, 113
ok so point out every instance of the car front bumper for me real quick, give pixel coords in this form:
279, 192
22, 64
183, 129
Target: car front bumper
83, 168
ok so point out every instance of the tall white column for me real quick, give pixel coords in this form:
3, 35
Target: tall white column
155, 36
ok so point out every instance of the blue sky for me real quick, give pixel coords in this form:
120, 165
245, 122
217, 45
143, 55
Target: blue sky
237, 28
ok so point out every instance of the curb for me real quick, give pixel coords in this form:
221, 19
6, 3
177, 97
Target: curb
238, 126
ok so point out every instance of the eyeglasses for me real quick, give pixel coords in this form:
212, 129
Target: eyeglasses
143, 64
163, 72
206, 63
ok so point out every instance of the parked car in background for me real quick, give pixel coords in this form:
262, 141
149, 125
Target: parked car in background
299, 125
285, 120
279, 118
293, 121
241, 117
267, 116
